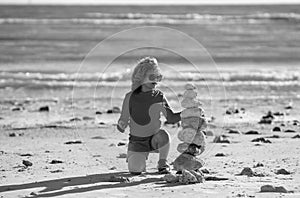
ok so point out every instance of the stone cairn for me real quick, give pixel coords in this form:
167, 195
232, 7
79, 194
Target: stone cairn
193, 139
191, 135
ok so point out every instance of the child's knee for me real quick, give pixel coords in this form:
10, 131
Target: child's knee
162, 138
136, 162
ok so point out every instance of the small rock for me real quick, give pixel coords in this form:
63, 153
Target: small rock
273, 136
220, 155
113, 168
56, 171
75, 119
44, 108
252, 132
278, 114
122, 155
261, 140
26, 155
98, 112
101, 123
296, 136
283, 172
56, 162
74, 142
276, 129
187, 177
27, 163
12, 135
213, 178
267, 119
112, 144
247, 171
121, 144
290, 131
258, 165
17, 108
87, 118
231, 131
270, 188
288, 107
222, 139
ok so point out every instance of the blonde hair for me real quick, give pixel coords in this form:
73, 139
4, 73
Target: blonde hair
145, 64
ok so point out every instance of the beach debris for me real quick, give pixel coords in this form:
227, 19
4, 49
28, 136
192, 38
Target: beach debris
258, 165
267, 119
296, 136
231, 131
44, 109
261, 139
122, 155
114, 178
56, 162
192, 135
27, 163
290, 131
113, 168
98, 112
270, 188
56, 171
276, 129
12, 135
220, 155
171, 178
252, 132
222, 139
282, 172
74, 142
121, 144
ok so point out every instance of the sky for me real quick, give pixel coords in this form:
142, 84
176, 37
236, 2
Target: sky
126, 2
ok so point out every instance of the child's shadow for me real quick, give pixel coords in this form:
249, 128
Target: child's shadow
58, 184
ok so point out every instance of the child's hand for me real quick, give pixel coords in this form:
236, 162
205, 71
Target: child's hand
121, 126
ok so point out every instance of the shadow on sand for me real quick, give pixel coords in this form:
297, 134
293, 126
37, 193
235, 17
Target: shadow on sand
58, 184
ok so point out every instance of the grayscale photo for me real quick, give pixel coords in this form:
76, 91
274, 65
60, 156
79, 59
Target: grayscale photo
149, 98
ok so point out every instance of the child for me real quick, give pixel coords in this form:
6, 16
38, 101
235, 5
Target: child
141, 110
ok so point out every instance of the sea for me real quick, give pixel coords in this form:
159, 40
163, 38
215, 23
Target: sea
62, 47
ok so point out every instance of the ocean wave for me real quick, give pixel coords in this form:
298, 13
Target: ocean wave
141, 18
37, 79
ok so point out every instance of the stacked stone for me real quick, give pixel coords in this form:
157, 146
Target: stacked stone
193, 139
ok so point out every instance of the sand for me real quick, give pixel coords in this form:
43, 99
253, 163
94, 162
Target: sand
83, 156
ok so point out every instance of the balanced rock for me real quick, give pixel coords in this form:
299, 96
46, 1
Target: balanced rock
187, 177
190, 103
190, 135
192, 112
198, 123
190, 94
191, 149
188, 162
190, 86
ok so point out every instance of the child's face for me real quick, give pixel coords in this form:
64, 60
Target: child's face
151, 79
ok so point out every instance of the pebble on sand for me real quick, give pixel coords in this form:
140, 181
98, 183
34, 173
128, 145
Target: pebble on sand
252, 132
12, 135
44, 108
296, 136
270, 188
27, 163
261, 140
258, 165
98, 112
276, 129
56, 162
75, 119
282, 172
247, 171
74, 142
290, 131
220, 155
231, 131
121, 144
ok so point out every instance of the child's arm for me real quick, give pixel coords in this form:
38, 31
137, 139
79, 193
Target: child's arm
171, 117
124, 118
